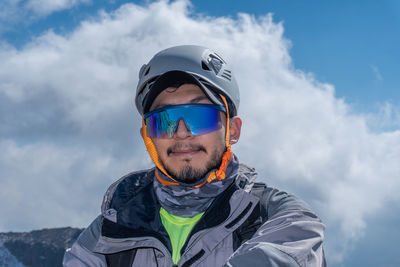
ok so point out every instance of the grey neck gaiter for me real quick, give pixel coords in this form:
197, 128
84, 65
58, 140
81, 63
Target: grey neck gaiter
186, 201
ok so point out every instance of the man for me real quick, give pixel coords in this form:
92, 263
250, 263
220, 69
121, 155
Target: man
199, 206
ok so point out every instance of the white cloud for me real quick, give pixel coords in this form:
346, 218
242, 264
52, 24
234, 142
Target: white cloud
68, 125
386, 118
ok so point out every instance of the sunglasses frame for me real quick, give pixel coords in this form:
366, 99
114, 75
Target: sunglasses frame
169, 107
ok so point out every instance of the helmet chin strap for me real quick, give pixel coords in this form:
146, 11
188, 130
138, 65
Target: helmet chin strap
154, 156
219, 174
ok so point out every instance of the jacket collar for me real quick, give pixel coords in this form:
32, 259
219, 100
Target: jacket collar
137, 208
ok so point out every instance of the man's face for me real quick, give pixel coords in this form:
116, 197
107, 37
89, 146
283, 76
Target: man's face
186, 157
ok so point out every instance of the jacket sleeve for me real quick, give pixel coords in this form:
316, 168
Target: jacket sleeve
80, 254
292, 235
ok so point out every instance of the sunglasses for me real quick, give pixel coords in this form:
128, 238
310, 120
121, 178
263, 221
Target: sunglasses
198, 118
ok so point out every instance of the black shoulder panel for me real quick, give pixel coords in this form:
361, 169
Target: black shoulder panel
130, 186
123, 258
137, 210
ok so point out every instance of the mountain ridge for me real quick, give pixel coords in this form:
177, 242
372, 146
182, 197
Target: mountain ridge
37, 248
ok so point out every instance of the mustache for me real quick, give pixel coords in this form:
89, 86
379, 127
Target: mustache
183, 146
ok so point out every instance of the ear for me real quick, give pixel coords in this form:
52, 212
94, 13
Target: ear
235, 125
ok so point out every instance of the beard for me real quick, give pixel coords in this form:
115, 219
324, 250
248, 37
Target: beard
189, 175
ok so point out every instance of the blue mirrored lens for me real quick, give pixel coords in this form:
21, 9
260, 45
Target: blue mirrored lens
199, 119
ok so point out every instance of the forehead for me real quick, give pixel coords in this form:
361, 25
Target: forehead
184, 94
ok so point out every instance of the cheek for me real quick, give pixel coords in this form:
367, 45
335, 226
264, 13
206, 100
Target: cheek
217, 139
161, 145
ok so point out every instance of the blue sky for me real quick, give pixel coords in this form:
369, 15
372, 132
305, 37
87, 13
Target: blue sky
325, 71
342, 42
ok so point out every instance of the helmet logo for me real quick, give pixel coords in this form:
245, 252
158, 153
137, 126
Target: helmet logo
215, 62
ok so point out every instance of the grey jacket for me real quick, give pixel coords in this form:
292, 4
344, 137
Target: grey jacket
249, 224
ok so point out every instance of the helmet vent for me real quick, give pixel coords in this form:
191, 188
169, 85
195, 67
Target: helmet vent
227, 75
204, 66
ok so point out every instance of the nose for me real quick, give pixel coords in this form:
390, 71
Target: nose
182, 131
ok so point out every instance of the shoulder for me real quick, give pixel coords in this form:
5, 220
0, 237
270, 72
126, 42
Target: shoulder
126, 187
281, 231
274, 201
277, 201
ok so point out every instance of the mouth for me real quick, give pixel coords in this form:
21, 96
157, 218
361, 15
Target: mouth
180, 150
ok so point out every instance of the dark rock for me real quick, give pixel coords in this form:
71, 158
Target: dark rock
40, 248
